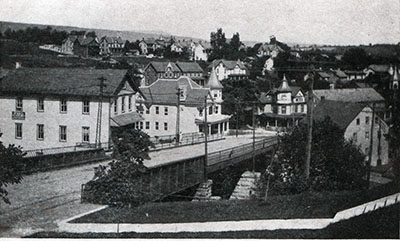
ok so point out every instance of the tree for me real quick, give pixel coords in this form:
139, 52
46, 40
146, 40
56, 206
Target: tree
336, 163
394, 135
91, 34
115, 183
356, 57
218, 45
11, 165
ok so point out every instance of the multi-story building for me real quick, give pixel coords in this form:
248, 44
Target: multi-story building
111, 45
80, 45
282, 107
224, 68
355, 120
169, 70
160, 101
200, 51
60, 107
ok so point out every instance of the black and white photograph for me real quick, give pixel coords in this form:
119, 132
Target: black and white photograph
200, 119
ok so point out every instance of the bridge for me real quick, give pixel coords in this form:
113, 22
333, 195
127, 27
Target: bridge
166, 178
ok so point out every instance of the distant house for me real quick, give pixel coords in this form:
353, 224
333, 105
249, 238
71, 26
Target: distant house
377, 69
59, 107
170, 70
160, 108
67, 45
269, 50
367, 96
282, 107
355, 120
355, 75
111, 45
176, 47
225, 68
201, 51
80, 45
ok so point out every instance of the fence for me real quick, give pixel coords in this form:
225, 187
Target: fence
169, 141
165, 179
65, 149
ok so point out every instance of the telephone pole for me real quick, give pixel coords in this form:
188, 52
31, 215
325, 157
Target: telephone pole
99, 113
310, 107
178, 113
254, 139
205, 139
371, 140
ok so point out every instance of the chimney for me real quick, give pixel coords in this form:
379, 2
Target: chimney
18, 65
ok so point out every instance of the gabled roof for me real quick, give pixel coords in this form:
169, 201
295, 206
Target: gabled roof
269, 47
350, 95
340, 73
380, 68
164, 91
90, 40
113, 39
265, 98
63, 81
341, 113
213, 82
160, 67
229, 64
324, 74
189, 67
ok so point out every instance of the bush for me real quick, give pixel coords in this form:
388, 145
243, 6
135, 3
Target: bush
336, 164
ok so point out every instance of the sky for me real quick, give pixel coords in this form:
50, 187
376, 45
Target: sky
292, 21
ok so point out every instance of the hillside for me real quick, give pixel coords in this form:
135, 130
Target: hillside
128, 35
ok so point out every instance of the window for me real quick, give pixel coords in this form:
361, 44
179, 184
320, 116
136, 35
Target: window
376, 120
367, 120
115, 106
85, 134
18, 104
40, 132
157, 110
86, 107
147, 125
355, 136
165, 126
210, 110
18, 130
148, 110
123, 104
215, 95
40, 105
156, 125
63, 106
216, 109
283, 110
302, 108
63, 133
141, 125
165, 110
201, 112
367, 135
358, 121
130, 102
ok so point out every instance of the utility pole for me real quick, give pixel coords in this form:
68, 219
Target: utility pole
371, 140
310, 107
237, 119
99, 113
205, 139
178, 113
254, 139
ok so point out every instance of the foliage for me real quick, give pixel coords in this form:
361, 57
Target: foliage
394, 135
36, 35
218, 45
11, 166
357, 58
336, 164
116, 183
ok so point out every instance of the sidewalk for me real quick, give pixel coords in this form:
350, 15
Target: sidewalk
226, 226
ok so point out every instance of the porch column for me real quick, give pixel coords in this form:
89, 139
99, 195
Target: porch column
276, 122
219, 128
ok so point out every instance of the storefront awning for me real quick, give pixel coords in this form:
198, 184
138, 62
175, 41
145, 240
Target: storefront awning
125, 119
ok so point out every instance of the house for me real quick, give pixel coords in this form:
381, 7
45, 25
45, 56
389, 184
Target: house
268, 65
282, 107
269, 50
176, 47
224, 68
201, 51
355, 120
111, 45
80, 45
67, 45
170, 70
160, 107
355, 75
144, 47
59, 107
377, 69
367, 96
342, 76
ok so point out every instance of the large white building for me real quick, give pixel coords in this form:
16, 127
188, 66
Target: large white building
225, 68
159, 107
59, 107
355, 120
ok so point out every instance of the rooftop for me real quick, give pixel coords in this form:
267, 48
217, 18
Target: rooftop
349, 95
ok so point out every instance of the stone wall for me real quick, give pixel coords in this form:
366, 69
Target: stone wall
246, 187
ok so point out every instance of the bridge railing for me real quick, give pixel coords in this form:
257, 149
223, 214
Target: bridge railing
169, 141
223, 155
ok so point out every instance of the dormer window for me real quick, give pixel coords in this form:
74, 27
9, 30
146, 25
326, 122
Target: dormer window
182, 92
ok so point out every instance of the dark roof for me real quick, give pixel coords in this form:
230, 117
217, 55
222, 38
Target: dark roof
350, 95
62, 81
125, 119
189, 67
341, 113
264, 98
161, 66
229, 64
382, 68
113, 39
323, 74
340, 73
213, 82
163, 91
